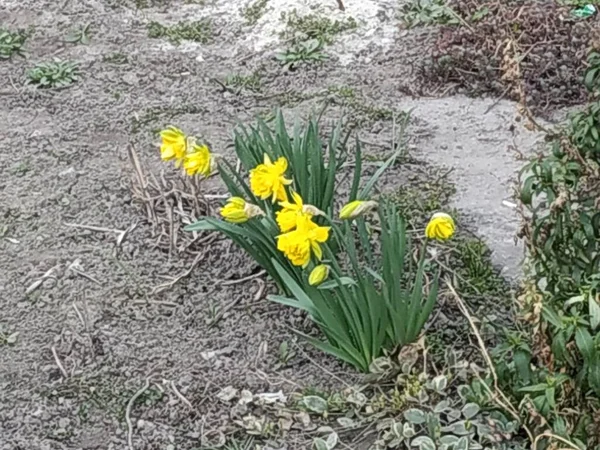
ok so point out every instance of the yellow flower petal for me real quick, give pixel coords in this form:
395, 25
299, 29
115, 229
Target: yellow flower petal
298, 245
441, 227
356, 208
268, 180
237, 210
290, 212
286, 219
174, 145
199, 161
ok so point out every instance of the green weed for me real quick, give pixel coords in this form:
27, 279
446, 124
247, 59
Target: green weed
197, 31
362, 110
251, 82
285, 355
7, 337
151, 115
579, 3
21, 168
142, 4
80, 36
475, 267
11, 43
421, 197
428, 12
53, 74
254, 11
116, 58
313, 26
308, 52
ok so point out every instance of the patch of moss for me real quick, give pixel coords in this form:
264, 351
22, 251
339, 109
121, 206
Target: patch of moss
362, 110
251, 82
152, 115
116, 58
474, 266
422, 196
313, 26
254, 11
196, 31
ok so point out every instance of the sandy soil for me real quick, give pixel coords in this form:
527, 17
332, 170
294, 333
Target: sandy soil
90, 330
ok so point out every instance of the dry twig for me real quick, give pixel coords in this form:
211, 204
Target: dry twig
243, 280
169, 204
162, 287
37, 283
497, 395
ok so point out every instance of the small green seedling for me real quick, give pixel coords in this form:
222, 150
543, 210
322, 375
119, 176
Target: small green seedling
197, 31
285, 355
7, 338
80, 36
11, 43
55, 74
307, 52
254, 11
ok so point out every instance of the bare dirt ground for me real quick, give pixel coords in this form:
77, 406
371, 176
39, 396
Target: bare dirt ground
91, 328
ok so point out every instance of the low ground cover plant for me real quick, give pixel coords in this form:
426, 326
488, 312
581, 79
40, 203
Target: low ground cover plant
552, 363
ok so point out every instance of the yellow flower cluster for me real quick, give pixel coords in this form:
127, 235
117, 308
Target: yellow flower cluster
300, 237
195, 158
298, 245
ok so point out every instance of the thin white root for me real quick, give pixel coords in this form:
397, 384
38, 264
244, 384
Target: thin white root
128, 413
59, 364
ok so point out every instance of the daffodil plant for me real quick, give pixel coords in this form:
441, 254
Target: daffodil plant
372, 304
281, 212
283, 192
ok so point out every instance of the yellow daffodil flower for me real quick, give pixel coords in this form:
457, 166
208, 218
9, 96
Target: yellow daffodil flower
288, 216
199, 160
295, 247
357, 208
173, 146
318, 275
237, 210
441, 226
298, 245
268, 179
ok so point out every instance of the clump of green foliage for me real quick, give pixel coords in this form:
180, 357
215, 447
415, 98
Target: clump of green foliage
314, 26
307, 52
362, 111
116, 58
437, 419
54, 74
80, 36
308, 35
251, 82
560, 192
254, 11
428, 12
11, 43
197, 31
